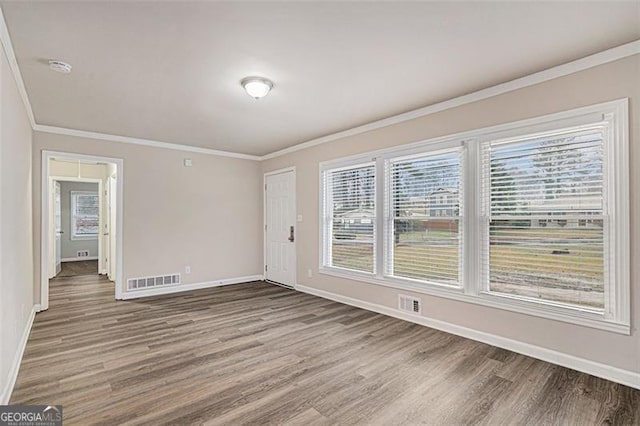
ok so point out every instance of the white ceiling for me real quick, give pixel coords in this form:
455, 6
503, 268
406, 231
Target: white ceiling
170, 71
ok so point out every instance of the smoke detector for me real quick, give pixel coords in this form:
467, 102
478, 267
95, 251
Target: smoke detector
59, 66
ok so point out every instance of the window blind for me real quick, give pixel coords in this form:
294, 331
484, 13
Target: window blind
85, 214
350, 219
545, 217
425, 237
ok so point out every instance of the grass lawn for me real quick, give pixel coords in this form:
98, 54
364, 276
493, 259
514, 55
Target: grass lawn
573, 275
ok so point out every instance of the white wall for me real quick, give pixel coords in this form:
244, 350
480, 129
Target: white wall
16, 250
607, 82
208, 216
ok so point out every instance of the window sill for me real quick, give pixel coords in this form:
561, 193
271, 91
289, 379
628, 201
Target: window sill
573, 315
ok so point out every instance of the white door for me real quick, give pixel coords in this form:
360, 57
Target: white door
111, 220
280, 232
57, 218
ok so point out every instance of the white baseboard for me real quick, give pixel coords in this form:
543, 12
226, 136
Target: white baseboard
135, 294
78, 259
618, 375
17, 360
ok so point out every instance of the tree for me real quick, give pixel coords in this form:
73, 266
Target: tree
563, 169
356, 189
503, 189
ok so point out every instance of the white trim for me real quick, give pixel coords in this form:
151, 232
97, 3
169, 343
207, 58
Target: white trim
600, 58
78, 259
280, 171
547, 122
17, 359
44, 218
540, 309
620, 190
290, 169
136, 294
139, 141
100, 183
582, 64
618, 375
13, 64
472, 291
325, 250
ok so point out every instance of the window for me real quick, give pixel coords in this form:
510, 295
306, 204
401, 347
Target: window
349, 218
530, 217
544, 202
425, 218
85, 215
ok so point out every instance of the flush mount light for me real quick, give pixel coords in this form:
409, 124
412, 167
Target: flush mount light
257, 87
59, 66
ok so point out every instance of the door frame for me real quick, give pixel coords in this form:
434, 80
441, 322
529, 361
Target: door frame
291, 169
52, 180
45, 213
111, 267
55, 191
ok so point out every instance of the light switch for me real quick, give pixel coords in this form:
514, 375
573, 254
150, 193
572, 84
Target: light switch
188, 162
299, 218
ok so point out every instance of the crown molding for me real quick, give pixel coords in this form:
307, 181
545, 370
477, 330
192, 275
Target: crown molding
600, 58
13, 63
594, 60
143, 142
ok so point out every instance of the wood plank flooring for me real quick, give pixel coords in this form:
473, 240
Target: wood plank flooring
259, 354
81, 267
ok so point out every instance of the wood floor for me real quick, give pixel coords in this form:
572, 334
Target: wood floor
260, 354
81, 267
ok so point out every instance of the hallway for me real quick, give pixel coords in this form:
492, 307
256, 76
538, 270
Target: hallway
73, 269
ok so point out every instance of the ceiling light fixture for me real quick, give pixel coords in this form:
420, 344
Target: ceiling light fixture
257, 87
59, 66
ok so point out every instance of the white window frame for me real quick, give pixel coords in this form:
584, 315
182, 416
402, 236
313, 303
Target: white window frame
442, 147
616, 315
72, 215
325, 205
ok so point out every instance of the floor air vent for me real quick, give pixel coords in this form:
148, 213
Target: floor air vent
151, 282
409, 304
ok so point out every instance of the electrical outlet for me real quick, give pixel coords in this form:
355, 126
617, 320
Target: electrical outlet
309, 273
187, 269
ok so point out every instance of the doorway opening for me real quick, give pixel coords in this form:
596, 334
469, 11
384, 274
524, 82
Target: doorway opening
81, 221
280, 227
77, 213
